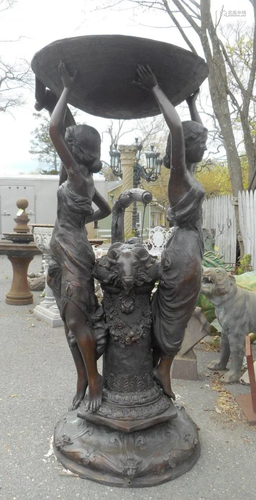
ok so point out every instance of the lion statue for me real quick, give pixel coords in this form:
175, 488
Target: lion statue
235, 309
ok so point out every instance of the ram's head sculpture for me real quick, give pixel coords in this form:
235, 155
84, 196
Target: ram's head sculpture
127, 265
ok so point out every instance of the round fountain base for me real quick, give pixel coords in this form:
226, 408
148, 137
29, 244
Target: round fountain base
147, 457
20, 300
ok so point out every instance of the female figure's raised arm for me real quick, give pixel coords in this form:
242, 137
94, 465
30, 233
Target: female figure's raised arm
57, 120
148, 81
191, 102
46, 99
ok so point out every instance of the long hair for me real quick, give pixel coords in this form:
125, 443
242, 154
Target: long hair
84, 143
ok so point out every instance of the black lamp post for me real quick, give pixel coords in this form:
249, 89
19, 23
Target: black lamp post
154, 163
115, 161
150, 172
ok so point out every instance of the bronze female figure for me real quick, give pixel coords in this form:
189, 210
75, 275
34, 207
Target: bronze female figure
70, 272
181, 268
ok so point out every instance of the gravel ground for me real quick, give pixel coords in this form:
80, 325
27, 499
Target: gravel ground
37, 380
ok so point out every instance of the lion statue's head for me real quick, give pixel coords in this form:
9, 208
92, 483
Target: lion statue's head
217, 282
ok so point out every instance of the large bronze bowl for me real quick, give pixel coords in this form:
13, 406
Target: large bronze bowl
106, 66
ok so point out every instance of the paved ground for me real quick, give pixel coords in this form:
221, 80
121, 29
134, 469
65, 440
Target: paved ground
37, 380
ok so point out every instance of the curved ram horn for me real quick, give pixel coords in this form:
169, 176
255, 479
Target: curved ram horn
113, 253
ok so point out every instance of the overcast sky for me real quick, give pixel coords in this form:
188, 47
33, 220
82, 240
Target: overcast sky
40, 23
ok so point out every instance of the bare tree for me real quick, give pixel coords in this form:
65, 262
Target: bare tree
147, 130
115, 131
238, 48
196, 14
42, 147
145, 133
14, 77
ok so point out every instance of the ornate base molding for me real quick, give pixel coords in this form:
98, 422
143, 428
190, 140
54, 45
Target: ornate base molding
46, 311
146, 457
51, 315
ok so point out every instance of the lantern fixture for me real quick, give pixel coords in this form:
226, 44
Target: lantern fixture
115, 161
153, 168
149, 172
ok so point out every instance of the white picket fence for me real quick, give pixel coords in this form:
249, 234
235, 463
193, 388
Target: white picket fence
219, 215
247, 221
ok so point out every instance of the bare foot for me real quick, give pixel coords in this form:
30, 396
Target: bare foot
79, 396
165, 382
81, 386
95, 394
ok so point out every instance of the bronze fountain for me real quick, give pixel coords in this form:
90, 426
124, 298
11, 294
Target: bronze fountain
125, 429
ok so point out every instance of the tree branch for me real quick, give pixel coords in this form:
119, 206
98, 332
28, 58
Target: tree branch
251, 80
231, 67
187, 16
181, 30
6, 4
190, 8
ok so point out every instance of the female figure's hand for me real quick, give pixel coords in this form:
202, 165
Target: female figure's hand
193, 97
57, 122
67, 79
191, 102
147, 79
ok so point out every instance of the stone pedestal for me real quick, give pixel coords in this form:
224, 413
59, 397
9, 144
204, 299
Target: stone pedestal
185, 367
127, 159
185, 363
19, 293
20, 256
20, 250
46, 311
